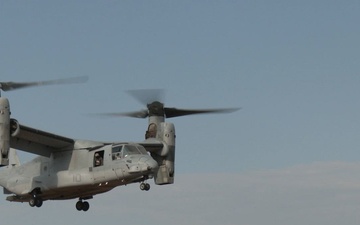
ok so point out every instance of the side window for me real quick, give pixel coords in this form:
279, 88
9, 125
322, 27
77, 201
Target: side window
99, 158
116, 152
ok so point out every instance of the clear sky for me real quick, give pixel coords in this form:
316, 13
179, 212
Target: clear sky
290, 156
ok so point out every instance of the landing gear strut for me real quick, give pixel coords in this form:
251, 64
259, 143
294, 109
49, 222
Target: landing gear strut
82, 206
144, 186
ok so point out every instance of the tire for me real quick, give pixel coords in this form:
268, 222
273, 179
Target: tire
38, 202
32, 202
79, 205
85, 206
147, 187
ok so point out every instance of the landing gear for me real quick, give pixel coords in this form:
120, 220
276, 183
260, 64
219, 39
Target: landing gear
35, 201
144, 186
82, 206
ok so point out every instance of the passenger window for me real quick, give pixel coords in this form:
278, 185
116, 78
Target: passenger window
99, 158
116, 153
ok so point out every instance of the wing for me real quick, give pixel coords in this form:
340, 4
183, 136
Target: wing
40, 142
152, 145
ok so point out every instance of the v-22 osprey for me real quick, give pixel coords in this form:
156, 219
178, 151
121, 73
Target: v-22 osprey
68, 168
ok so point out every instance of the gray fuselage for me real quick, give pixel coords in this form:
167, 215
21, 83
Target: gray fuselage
78, 173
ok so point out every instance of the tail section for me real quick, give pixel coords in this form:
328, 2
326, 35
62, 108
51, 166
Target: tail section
13, 158
4, 173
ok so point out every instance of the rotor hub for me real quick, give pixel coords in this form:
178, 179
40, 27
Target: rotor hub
156, 109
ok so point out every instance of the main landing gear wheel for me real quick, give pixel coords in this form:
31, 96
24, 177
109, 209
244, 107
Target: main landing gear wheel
82, 206
144, 186
35, 201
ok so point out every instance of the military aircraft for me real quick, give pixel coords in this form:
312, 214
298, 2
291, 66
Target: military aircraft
68, 168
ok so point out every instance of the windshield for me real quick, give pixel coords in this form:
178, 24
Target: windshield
142, 149
133, 150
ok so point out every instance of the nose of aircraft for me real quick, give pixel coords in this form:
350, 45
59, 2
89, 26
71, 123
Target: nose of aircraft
145, 164
152, 165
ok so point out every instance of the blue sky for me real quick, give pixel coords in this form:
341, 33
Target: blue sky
293, 67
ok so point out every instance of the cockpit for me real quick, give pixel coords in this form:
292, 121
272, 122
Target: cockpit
124, 150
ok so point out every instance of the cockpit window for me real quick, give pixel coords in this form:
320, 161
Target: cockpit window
133, 150
130, 150
142, 149
117, 152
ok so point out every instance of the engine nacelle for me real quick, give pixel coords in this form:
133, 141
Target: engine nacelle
166, 171
4, 131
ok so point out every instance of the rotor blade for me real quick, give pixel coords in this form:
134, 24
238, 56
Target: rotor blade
170, 112
174, 112
136, 114
9, 86
146, 96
